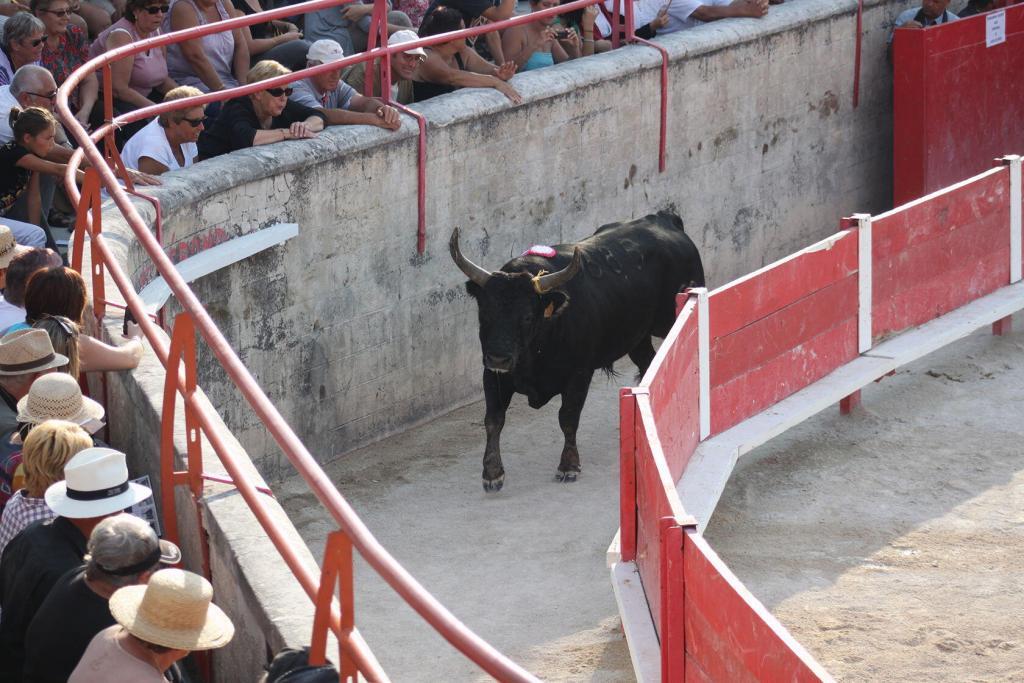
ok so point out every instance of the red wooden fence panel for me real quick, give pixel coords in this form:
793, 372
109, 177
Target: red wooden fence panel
729, 634
956, 103
655, 498
782, 328
675, 392
934, 256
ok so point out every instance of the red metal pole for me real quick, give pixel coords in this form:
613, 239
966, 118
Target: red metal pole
663, 131
421, 177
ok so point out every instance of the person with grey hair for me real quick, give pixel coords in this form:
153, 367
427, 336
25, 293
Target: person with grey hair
123, 550
22, 44
32, 86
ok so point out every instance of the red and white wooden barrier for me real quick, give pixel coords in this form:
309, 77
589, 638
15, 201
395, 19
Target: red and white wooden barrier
757, 357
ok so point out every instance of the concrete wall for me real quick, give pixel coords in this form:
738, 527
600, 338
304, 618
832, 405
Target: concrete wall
358, 336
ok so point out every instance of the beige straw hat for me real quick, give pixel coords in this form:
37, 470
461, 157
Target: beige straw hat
57, 396
25, 351
174, 610
8, 247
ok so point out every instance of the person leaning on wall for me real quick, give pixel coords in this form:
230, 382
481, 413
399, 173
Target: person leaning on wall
335, 98
262, 118
168, 142
453, 65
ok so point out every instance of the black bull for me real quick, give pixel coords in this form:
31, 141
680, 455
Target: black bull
546, 324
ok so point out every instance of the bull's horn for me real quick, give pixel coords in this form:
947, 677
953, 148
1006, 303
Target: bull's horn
545, 283
474, 272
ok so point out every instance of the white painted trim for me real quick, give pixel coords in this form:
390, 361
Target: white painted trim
156, 293
1014, 162
864, 281
704, 361
938, 193
614, 552
637, 623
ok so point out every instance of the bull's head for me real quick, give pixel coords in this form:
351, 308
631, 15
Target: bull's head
513, 307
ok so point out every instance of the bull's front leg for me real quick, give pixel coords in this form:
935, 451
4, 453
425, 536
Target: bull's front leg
573, 398
498, 390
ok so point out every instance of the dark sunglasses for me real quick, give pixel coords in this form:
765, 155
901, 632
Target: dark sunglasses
195, 123
47, 96
277, 92
59, 12
158, 9
37, 42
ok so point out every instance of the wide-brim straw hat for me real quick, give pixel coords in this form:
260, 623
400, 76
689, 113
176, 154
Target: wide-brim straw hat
95, 485
175, 610
9, 249
57, 396
25, 351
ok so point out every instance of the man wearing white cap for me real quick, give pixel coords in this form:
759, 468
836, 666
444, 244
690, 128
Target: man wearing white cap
95, 486
157, 624
123, 551
338, 100
403, 68
24, 356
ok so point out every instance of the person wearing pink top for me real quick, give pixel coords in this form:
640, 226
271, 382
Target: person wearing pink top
140, 80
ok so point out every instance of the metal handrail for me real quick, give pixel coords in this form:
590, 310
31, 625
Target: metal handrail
471, 645
452, 629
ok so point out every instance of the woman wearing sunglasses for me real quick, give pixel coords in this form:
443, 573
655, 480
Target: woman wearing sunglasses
66, 48
168, 142
22, 43
140, 80
262, 118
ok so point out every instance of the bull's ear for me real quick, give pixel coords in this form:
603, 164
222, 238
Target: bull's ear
555, 304
473, 289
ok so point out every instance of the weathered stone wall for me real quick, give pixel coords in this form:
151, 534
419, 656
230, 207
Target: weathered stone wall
357, 336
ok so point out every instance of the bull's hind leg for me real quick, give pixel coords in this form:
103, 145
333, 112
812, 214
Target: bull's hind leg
498, 390
573, 398
642, 354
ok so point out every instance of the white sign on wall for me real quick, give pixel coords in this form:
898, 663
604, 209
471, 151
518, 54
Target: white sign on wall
995, 28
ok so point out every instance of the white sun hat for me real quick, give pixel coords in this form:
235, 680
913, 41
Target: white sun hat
175, 609
95, 485
406, 36
57, 396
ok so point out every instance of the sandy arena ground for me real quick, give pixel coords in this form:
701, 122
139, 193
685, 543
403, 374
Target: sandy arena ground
524, 568
887, 542
890, 543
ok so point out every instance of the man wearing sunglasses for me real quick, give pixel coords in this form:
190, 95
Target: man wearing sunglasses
338, 100
168, 142
265, 117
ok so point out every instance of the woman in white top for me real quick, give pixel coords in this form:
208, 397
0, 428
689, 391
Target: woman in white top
168, 142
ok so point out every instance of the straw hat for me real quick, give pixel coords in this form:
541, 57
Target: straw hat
95, 485
173, 610
57, 396
25, 351
8, 247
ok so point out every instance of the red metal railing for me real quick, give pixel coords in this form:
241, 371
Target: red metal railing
179, 358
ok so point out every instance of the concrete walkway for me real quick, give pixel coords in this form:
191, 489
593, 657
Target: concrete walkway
524, 568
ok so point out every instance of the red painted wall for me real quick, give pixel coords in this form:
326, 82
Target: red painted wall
957, 104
